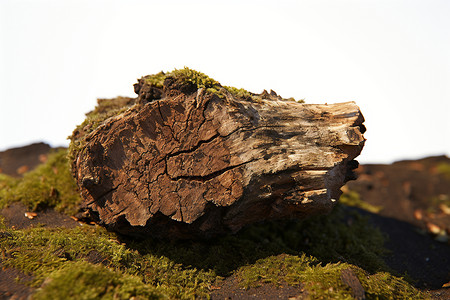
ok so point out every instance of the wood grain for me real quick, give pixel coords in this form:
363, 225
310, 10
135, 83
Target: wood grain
194, 164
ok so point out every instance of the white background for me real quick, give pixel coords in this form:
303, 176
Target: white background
391, 57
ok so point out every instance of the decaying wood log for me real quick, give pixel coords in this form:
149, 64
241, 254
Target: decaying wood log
192, 158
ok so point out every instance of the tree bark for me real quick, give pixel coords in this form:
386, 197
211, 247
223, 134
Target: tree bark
193, 163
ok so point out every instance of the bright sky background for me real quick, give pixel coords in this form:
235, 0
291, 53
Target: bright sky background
391, 57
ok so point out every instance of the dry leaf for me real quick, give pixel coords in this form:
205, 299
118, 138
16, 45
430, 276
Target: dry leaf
433, 228
445, 209
418, 214
30, 215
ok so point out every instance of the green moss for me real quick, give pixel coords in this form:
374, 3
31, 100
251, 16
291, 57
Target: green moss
277, 270
201, 80
45, 252
352, 198
156, 80
8, 185
82, 280
241, 93
49, 185
311, 252
323, 281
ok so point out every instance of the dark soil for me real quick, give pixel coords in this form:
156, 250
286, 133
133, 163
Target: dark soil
11, 287
417, 255
13, 282
411, 194
15, 217
229, 289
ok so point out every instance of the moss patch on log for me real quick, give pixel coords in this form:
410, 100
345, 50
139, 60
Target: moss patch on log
203, 81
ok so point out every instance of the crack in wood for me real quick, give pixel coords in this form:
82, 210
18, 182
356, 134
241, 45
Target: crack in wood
212, 175
194, 148
164, 123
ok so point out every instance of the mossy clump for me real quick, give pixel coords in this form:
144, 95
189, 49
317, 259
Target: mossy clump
323, 281
156, 80
203, 81
60, 256
199, 80
352, 198
185, 75
50, 185
82, 280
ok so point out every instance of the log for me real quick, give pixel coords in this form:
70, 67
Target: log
191, 158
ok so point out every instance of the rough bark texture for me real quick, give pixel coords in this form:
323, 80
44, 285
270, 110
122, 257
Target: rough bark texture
185, 161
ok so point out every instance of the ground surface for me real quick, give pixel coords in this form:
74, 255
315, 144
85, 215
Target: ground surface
412, 197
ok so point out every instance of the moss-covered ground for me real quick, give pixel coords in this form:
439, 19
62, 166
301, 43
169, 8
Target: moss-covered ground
50, 185
352, 198
88, 262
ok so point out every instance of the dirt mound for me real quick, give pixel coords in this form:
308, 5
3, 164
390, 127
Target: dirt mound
15, 162
417, 192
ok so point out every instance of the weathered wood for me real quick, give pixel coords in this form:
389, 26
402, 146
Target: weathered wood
187, 161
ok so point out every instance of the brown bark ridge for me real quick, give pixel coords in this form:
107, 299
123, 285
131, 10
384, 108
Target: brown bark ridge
197, 160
